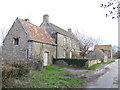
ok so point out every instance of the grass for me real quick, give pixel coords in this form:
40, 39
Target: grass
52, 76
93, 67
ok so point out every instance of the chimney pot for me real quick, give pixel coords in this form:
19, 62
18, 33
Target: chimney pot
27, 20
70, 30
46, 18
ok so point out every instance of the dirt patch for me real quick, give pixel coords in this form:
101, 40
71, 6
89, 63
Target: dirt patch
87, 75
94, 76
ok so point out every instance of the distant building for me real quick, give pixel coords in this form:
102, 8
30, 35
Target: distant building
67, 45
107, 49
103, 52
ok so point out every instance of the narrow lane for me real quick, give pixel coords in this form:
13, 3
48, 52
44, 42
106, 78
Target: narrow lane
108, 80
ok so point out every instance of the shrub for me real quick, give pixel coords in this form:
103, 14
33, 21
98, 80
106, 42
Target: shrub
9, 71
23, 67
73, 62
15, 68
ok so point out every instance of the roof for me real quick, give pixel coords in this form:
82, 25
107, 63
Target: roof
62, 31
36, 33
52, 28
101, 52
59, 30
104, 47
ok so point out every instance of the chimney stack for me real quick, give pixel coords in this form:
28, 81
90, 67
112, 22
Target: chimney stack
46, 18
27, 20
69, 30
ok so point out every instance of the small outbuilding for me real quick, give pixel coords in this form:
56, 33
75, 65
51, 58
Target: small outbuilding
27, 41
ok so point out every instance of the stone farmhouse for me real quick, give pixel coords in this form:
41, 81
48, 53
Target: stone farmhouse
26, 41
67, 45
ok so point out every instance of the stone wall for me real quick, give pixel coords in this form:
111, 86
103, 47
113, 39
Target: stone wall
108, 52
38, 50
95, 55
92, 62
64, 45
10, 50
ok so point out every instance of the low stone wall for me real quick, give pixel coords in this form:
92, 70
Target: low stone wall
92, 62
32, 65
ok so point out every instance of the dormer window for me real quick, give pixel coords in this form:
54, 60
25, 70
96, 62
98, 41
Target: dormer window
16, 41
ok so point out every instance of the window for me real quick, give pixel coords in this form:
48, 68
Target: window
65, 41
70, 54
70, 43
64, 53
16, 41
75, 45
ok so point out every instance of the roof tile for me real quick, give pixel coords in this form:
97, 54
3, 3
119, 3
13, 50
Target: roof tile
37, 33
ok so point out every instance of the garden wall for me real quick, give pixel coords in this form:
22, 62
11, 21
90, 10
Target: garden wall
92, 62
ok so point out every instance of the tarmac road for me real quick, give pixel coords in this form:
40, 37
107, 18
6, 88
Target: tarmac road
107, 80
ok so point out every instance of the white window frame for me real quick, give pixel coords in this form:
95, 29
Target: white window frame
64, 53
70, 54
70, 43
75, 46
65, 41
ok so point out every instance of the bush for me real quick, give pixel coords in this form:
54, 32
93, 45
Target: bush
16, 68
73, 62
13, 69
9, 71
22, 67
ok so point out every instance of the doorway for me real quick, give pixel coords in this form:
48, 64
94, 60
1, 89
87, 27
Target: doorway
70, 54
45, 58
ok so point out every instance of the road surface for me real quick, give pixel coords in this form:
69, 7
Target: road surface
108, 80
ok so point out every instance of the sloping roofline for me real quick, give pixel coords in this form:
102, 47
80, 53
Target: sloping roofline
37, 33
104, 47
101, 52
30, 30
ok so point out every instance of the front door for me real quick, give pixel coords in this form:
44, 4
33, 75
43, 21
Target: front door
46, 57
70, 54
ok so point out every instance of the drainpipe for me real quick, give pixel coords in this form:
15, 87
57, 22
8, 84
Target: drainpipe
56, 44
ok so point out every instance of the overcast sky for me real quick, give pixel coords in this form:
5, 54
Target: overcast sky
84, 15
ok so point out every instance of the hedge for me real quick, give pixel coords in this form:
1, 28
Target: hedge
18, 68
73, 62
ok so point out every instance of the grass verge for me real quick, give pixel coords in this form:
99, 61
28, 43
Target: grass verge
93, 67
51, 77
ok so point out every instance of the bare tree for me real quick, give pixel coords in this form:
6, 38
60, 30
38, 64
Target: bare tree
87, 42
113, 7
114, 49
116, 52
3, 32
